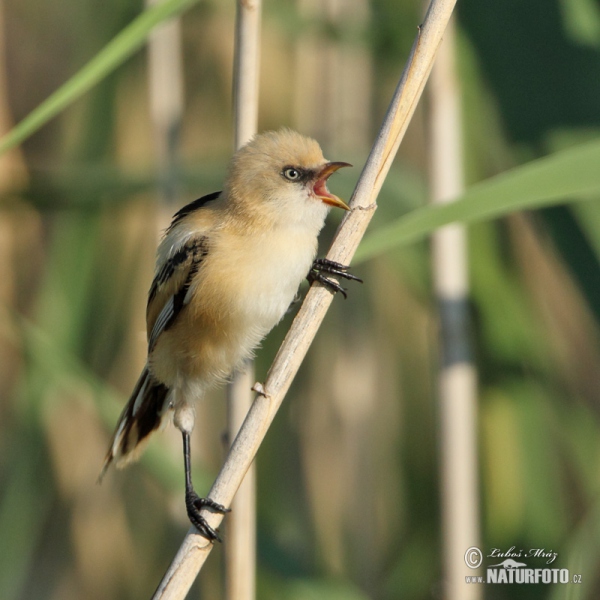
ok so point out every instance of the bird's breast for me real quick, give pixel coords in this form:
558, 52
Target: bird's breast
260, 275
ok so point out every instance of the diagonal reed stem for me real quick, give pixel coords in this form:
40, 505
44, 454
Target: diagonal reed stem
195, 549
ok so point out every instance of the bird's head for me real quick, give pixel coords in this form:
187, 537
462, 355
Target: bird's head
285, 174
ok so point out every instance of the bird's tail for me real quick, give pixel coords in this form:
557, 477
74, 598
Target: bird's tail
141, 416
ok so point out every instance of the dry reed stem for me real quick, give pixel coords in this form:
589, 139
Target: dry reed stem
457, 377
246, 70
166, 96
195, 549
240, 538
240, 542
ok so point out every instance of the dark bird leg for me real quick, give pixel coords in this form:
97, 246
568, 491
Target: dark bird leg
322, 267
193, 503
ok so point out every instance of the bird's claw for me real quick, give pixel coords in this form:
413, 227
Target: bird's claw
194, 504
322, 266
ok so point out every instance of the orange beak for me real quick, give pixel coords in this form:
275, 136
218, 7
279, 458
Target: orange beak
320, 188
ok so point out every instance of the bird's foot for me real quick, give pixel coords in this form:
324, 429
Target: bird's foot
323, 266
194, 504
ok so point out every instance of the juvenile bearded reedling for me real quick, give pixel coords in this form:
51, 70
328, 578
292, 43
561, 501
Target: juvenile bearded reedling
227, 270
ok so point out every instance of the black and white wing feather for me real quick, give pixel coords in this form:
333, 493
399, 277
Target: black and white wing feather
169, 290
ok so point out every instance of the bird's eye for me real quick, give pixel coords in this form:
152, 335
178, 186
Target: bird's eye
291, 174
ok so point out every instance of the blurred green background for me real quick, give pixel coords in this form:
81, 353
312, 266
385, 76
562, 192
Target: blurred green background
348, 476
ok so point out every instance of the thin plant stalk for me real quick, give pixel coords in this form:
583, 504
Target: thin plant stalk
195, 549
165, 88
457, 384
240, 539
246, 70
240, 542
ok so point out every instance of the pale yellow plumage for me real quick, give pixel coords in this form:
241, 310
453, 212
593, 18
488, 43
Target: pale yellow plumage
227, 270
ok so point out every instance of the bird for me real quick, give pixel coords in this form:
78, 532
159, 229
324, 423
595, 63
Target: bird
227, 269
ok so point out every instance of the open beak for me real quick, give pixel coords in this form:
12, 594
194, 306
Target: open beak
320, 187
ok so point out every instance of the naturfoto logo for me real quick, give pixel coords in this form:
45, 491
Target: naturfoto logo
513, 571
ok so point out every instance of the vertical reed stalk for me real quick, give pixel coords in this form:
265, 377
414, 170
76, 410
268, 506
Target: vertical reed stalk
240, 543
457, 376
165, 80
246, 70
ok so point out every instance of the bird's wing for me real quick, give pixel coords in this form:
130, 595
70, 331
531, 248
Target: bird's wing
174, 274
169, 290
192, 207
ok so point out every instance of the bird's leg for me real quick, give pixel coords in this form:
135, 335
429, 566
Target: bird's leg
322, 266
193, 503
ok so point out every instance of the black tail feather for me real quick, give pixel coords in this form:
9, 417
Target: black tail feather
141, 416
